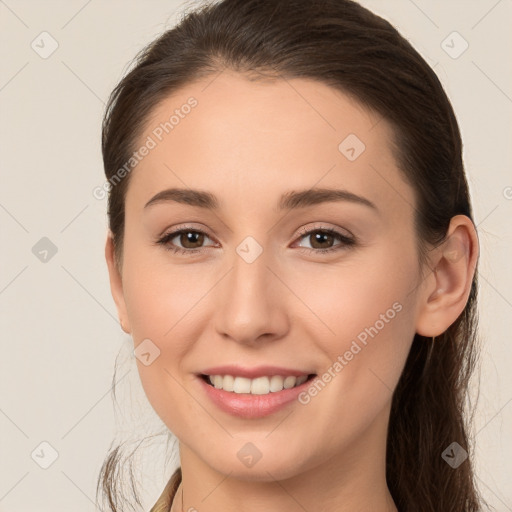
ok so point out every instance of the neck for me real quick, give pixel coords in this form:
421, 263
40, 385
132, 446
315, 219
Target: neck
384, 504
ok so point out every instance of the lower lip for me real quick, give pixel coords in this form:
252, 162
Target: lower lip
246, 405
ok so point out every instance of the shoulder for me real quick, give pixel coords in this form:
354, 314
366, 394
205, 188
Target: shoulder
164, 502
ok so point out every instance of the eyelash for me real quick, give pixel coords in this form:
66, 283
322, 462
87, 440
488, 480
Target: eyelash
345, 240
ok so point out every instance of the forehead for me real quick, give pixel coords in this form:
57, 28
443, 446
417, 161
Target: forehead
276, 113
266, 137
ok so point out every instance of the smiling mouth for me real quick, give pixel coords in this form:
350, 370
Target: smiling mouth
258, 386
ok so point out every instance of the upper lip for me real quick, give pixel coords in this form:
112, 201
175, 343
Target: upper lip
254, 372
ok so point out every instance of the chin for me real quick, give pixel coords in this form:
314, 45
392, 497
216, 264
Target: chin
262, 470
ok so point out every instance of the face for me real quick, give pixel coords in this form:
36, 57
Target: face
273, 273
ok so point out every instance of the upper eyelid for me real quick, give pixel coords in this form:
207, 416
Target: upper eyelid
177, 231
340, 231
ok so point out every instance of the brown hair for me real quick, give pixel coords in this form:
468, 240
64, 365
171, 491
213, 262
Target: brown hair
343, 45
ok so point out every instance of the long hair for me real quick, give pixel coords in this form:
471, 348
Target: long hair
343, 45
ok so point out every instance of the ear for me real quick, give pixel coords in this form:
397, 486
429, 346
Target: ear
116, 283
446, 289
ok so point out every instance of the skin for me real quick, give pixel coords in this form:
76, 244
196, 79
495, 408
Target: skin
247, 143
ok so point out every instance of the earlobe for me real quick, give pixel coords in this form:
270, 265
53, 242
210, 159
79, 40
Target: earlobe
116, 283
447, 288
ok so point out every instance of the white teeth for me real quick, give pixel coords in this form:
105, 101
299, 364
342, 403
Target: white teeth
241, 385
276, 383
301, 380
289, 382
258, 386
217, 381
228, 383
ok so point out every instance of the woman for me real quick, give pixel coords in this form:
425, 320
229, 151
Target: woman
292, 249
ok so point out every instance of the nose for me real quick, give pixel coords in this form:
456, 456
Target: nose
252, 302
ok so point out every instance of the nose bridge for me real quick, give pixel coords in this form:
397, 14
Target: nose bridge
252, 304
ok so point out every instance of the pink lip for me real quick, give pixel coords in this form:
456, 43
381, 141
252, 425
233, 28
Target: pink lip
246, 405
252, 373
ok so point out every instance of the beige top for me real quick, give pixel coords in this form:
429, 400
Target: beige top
164, 502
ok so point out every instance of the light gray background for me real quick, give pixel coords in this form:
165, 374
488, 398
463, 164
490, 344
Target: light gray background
59, 328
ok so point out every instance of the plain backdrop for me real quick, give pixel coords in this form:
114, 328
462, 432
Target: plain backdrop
59, 330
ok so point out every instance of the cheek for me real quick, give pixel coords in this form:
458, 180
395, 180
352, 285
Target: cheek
364, 324
164, 303
162, 298
364, 291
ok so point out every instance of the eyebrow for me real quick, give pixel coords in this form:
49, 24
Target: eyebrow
288, 201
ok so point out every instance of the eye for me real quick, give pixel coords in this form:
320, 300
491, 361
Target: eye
322, 238
191, 240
